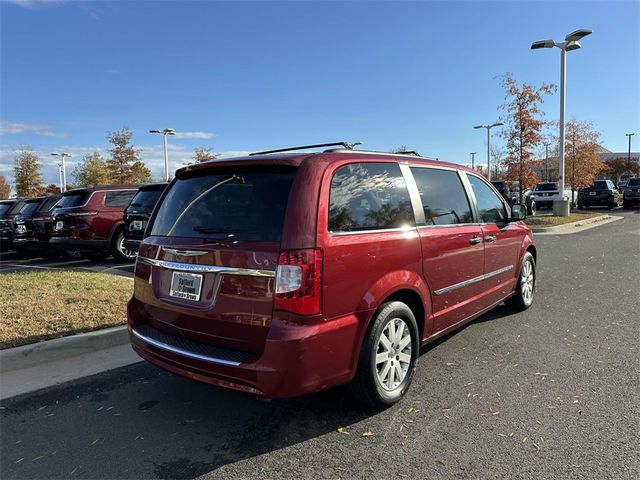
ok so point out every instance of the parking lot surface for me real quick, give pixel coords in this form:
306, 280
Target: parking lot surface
13, 262
548, 393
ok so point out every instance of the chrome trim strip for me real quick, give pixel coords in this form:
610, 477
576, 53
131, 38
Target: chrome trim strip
184, 253
190, 267
179, 351
471, 281
379, 230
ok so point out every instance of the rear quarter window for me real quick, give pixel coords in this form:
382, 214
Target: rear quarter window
118, 198
369, 196
74, 199
242, 204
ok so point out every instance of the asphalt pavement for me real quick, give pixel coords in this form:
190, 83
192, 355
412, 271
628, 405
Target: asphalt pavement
548, 393
14, 262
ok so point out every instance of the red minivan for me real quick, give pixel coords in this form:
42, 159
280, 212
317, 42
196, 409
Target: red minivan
281, 274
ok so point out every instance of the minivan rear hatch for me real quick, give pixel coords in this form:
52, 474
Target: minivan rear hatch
206, 270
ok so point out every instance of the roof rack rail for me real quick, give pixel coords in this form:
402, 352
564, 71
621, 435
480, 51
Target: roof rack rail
348, 146
408, 152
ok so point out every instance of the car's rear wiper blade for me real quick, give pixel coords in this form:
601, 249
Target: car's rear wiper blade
220, 230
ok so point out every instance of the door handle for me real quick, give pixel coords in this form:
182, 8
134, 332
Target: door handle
475, 240
490, 238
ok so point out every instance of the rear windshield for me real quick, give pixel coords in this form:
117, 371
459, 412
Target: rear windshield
634, 182
145, 199
29, 208
74, 199
48, 204
15, 208
541, 187
600, 184
241, 204
4, 208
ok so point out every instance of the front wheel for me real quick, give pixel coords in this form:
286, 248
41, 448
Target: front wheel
526, 286
388, 357
120, 251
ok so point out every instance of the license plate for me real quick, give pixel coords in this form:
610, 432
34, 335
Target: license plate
186, 285
592, 193
21, 229
136, 225
59, 224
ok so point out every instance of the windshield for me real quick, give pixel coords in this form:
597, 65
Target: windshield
29, 208
542, 187
145, 199
75, 199
634, 182
244, 204
4, 208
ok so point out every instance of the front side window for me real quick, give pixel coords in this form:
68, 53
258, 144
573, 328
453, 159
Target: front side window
118, 198
442, 196
490, 206
369, 196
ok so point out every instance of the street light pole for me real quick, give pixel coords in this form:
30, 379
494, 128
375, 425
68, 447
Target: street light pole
473, 160
166, 132
489, 127
546, 162
60, 175
629, 152
63, 177
561, 207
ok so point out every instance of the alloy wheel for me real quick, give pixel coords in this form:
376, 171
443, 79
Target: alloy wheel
527, 282
393, 354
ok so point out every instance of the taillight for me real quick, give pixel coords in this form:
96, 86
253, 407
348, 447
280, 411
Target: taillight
299, 281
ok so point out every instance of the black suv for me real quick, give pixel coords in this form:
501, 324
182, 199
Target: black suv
8, 210
33, 225
138, 212
603, 193
631, 194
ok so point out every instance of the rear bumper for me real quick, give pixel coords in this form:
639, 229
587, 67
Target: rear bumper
66, 243
297, 359
31, 243
596, 200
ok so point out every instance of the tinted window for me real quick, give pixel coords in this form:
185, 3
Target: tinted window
542, 187
15, 208
369, 196
4, 208
601, 184
145, 200
118, 198
634, 182
28, 208
490, 206
74, 199
443, 197
48, 204
244, 204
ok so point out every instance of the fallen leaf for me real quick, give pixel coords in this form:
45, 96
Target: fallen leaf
367, 434
440, 462
343, 430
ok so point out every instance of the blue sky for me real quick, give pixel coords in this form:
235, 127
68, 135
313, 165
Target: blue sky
243, 76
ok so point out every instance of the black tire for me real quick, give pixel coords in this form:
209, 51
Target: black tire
118, 249
97, 256
520, 300
532, 209
366, 387
580, 206
626, 205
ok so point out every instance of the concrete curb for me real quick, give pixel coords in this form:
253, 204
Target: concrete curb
36, 354
579, 226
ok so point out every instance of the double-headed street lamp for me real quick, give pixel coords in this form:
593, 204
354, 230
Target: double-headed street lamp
489, 127
63, 176
561, 207
166, 132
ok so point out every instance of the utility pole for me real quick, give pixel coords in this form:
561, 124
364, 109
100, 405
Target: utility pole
489, 127
473, 160
63, 179
546, 161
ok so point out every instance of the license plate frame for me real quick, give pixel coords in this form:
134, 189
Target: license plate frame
186, 286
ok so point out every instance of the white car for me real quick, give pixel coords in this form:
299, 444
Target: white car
546, 193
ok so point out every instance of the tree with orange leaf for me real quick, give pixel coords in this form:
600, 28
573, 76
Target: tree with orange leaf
582, 159
522, 128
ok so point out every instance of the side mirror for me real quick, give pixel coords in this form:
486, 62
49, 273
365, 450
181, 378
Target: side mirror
518, 212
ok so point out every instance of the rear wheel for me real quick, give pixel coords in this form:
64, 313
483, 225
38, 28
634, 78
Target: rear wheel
525, 288
532, 209
120, 251
388, 357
